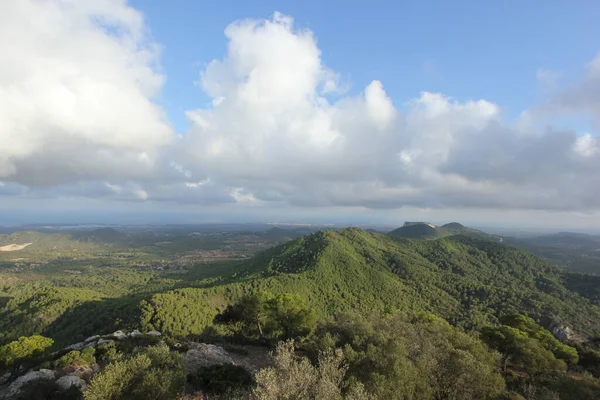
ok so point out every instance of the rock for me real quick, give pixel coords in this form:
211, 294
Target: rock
135, 333
562, 332
67, 381
120, 335
91, 338
76, 346
82, 371
205, 355
4, 378
154, 333
102, 341
16, 386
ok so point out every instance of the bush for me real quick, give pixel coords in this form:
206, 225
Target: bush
221, 379
152, 373
76, 358
296, 378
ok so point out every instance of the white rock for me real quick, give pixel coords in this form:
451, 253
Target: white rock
562, 332
76, 346
102, 341
119, 335
154, 333
135, 333
16, 386
4, 378
205, 355
91, 338
67, 381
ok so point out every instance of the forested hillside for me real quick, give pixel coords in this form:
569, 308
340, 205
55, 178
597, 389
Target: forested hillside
467, 281
356, 302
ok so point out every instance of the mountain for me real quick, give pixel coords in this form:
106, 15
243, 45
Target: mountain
418, 231
424, 230
468, 281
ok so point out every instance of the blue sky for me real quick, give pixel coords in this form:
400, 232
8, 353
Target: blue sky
341, 111
465, 49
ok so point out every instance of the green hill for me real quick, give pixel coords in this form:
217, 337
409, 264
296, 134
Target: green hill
418, 231
425, 231
469, 282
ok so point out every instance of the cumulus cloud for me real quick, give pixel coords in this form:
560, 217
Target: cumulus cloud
583, 97
76, 83
280, 130
272, 131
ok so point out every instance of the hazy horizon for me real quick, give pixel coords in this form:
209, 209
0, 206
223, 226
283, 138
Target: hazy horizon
138, 112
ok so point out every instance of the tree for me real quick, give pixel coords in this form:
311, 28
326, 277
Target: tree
285, 315
252, 310
549, 342
518, 348
26, 348
152, 373
295, 378
290, 314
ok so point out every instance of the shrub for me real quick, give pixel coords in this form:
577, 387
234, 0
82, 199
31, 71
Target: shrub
76, 358
152, 373
221, 379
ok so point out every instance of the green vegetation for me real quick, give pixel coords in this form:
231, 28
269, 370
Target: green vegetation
285, 316
76, 358
424, 231
25, 349
372, 317
469, 282
152, 373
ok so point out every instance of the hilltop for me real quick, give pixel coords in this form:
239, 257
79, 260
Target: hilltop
468, 281
425, 230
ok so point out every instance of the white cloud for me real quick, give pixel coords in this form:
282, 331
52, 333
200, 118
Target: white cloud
76, 82
79, 120
580, 98
271, 132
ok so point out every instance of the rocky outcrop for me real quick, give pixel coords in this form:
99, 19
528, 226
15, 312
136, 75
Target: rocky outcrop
76, 346
562, 332
92, 338
67, 381
205, 355
16, 386
119, 335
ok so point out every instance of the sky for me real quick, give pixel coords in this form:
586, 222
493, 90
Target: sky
300, 111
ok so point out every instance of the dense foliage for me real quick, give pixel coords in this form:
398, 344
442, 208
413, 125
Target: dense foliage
372, 316
469, 282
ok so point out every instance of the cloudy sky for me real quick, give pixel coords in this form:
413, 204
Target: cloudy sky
345, 112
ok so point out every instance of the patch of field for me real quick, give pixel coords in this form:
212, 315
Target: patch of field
14, 247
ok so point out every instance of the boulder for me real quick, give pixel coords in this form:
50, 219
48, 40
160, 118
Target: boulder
154, 333
76, 346
120, 335
102, 341
82, 371
562, 332
4, 378
135, 333
67, 381
91, 338
205, 355
16, 386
